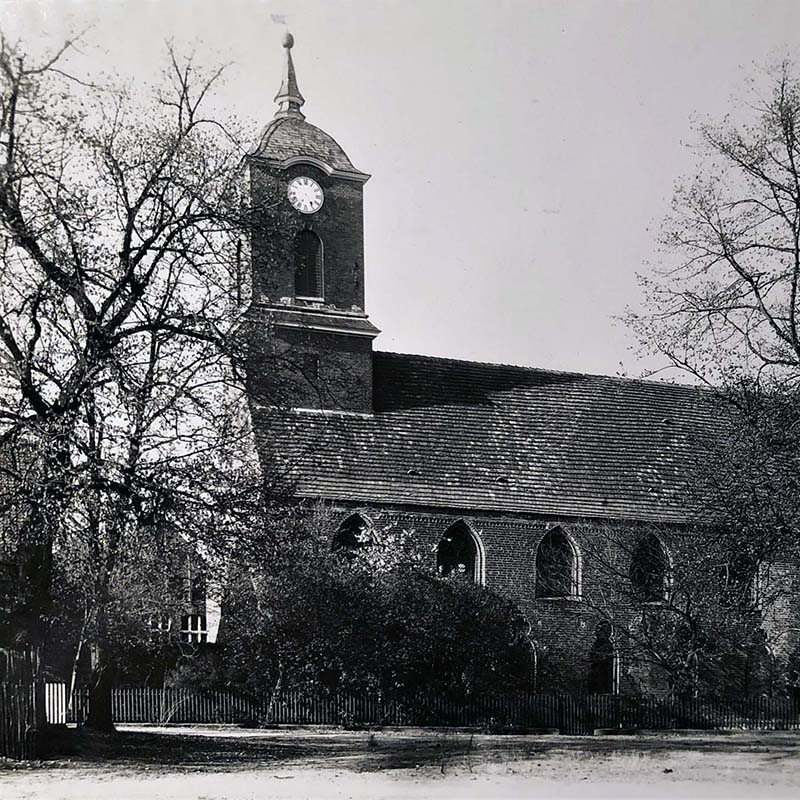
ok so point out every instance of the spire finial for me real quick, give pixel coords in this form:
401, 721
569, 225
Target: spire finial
289, 99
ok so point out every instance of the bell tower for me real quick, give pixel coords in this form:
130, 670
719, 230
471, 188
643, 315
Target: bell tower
313, 340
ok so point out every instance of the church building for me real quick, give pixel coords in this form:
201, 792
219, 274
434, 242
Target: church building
513, 476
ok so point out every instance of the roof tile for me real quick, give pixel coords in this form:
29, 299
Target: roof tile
444, 431
289, 137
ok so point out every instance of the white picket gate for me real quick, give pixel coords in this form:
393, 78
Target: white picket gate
56, 703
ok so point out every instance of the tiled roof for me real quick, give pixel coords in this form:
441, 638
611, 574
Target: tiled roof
471, 436
290, 137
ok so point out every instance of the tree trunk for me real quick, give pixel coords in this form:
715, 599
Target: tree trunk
73, 678
273, 698
39, 690
100, 716
38, 570
45, 501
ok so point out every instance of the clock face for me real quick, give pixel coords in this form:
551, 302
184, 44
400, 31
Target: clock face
305, 195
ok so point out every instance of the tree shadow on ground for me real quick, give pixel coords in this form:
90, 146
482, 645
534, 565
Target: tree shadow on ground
382, 750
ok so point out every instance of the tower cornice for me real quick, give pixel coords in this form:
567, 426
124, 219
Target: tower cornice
333, 172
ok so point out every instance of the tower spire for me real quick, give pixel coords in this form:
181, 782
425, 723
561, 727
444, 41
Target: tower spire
289, 98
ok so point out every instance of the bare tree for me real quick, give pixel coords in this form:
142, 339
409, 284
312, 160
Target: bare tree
121, 302
722, 307
723, 303
691, 610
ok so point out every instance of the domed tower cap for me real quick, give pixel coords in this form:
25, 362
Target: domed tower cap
290, 139
289, 99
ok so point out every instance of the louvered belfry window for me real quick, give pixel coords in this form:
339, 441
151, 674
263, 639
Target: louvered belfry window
308, 266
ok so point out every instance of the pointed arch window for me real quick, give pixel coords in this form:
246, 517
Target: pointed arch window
460, 553
557, 566
308, 266
650, 569
353, 534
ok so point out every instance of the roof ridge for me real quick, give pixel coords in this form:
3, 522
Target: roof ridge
527, 368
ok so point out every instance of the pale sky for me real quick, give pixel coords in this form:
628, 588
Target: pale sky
522, 153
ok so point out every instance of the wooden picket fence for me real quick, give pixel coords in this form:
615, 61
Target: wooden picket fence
16, 721
576, 714
17, 738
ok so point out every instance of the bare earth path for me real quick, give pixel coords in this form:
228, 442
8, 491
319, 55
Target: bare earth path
201, 763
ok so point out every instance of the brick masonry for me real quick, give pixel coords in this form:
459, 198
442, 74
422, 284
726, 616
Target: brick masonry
562, 630
309, 366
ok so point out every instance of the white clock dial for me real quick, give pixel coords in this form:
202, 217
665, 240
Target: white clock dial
305, 195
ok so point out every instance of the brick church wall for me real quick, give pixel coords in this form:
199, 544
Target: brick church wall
563, 629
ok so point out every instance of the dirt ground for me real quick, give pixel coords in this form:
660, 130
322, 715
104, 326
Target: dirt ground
205, 762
